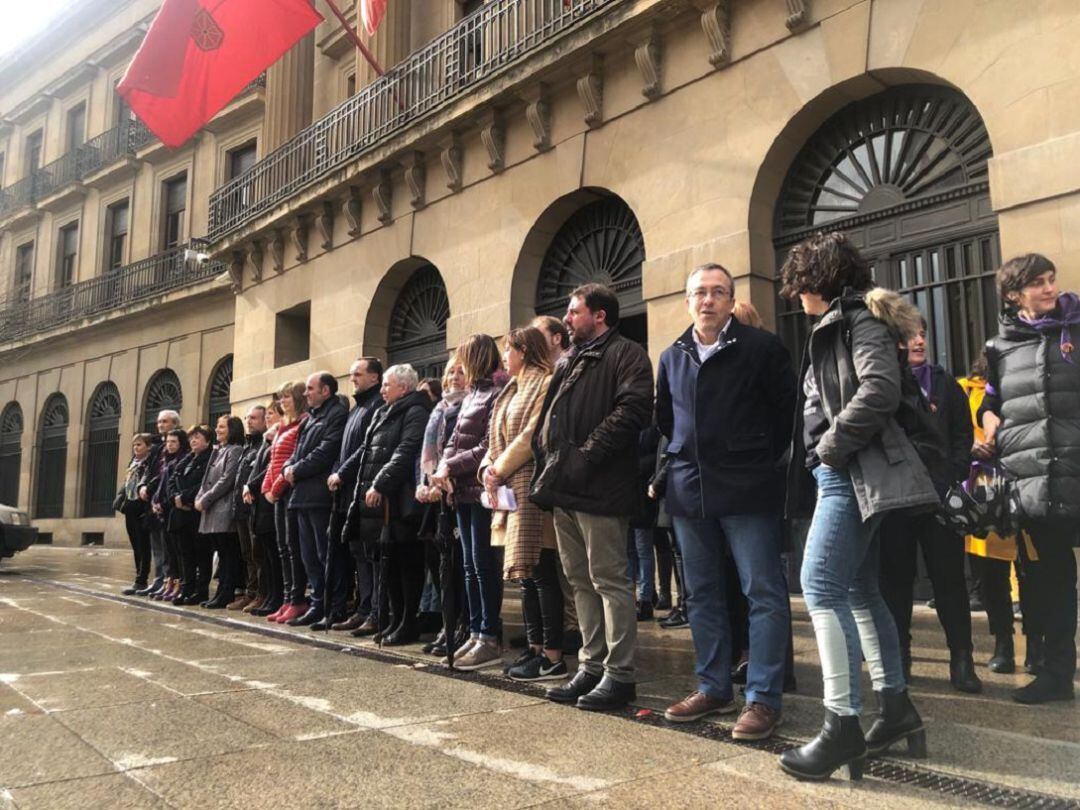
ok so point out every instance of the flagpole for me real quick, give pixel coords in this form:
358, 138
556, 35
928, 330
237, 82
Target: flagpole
355, 39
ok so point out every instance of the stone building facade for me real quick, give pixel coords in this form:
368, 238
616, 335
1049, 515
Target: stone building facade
515, 148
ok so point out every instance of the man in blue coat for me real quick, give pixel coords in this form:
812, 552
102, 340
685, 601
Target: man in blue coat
725, 399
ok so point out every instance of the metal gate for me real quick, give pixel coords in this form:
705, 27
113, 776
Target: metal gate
11, 428
418, 323
163, 393
102, 451
220, 403
52, 458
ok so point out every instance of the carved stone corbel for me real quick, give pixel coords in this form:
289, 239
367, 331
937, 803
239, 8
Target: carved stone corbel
255, 259
277, 250
716, 23
236, 271
416, 179
299, 235
493, 136
590, 88
383, 196
351, 207
325, 221
538, 114
798, 13
647, 56
451, 154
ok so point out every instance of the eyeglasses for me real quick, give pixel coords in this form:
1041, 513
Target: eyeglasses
701, 293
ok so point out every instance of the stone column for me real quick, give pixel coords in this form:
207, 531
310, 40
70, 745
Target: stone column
290, 87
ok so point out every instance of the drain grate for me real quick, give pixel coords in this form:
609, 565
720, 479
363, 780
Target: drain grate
887, 770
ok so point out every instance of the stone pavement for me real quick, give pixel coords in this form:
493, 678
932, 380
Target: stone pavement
108, 702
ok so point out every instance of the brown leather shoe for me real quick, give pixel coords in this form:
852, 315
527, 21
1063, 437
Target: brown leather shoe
696, 706
239, 603
757, 722
350, 623
368, 628
255, 603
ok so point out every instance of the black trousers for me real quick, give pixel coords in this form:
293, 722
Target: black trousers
227, 546
943, 552
404, 583
293, 575
249, 562
542, 603
174, 565
197, 556
996, 592
339, 564
664, 560
1050, 584
270, 584
676, 556
139, 538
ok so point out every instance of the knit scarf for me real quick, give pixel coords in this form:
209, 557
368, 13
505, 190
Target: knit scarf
1063, 317
923, 375
435, 432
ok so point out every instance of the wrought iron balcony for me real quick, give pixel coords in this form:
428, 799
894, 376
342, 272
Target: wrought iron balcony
447, 68
114, 290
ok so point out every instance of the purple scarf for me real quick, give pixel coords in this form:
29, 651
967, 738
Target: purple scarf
923, 375
1063, 317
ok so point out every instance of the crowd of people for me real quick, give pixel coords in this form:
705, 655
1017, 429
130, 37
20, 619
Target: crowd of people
556, 462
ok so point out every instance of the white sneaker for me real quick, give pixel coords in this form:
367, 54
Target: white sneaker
483, 654
467, 645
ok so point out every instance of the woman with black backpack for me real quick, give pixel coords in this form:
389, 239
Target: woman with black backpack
942, 548
1031, 417
847, 436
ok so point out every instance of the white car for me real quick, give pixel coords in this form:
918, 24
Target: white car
16, 533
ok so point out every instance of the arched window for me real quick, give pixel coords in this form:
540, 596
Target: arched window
162, 394
218, 400
102, 450
904, 174
52, 458
600, 243
418, 323
11, 429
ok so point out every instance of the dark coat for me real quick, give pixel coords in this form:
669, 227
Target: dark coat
152, 478
352, 442
185, 481
317, 449
262, 514
728, 421
1036, 392
852, 353
388, 462
468, 443
953, 415
599, 401
648, 442
253, 442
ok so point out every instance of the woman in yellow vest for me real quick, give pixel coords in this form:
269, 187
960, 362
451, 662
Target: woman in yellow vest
993, 555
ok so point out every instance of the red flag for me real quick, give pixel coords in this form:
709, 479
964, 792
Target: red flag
372, 12
199, 54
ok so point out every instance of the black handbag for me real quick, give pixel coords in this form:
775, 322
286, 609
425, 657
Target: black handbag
980, 504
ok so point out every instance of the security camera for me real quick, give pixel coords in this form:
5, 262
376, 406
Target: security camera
196, 256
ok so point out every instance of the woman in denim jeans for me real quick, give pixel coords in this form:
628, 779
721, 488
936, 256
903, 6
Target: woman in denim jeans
846, 436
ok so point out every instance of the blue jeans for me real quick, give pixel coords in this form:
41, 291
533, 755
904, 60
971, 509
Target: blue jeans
755, 542
313, 525
483, 579
642, 564
840, 584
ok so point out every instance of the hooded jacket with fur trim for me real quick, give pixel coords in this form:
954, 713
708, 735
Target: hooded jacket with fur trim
852, 353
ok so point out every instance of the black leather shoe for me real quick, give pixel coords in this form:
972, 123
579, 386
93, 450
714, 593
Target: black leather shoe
324, 624
581, 684
1035, 658
1044, 689
133, 589
898, 720
1004, 660
607, 696
839, 743
267, 609
402, 635
962, 674
219, 602
350, 623
309, 618
149, 589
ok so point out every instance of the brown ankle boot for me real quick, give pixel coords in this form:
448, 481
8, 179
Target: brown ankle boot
239, 603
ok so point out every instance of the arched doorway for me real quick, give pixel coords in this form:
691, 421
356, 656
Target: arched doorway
163, 393
904, 174
219, 402
102, 451
599, 242
11, 428
417, 329
52, 458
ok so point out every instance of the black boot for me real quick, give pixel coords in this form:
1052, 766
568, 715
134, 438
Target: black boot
1044, 689
962, 673
839, 743
1035, 657
581, 684
1004, 660
898, 720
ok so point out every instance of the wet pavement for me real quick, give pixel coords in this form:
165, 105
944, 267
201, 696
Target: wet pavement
110, 701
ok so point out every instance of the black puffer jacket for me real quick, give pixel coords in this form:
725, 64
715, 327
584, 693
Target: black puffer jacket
253, 442
469, 443
586, 444
185, 482
388, 461
1036, 392
352, 443
262, 511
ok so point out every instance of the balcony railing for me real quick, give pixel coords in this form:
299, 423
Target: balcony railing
116, 289
446, 68
97, 153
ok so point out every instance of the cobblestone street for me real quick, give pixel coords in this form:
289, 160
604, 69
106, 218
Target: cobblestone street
108, 701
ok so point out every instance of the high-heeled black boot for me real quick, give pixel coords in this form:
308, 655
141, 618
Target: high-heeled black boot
962, 673
1035, 657
898, 720
1004, 659
839, 743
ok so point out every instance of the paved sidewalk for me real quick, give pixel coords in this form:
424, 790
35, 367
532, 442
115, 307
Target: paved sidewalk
107, 701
